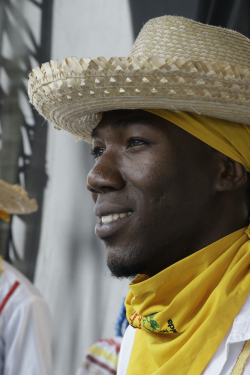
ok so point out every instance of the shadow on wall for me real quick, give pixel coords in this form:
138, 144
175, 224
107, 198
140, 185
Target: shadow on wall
232, 14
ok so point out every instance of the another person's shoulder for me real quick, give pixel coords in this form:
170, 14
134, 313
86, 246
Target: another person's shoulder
16, 289
25, 325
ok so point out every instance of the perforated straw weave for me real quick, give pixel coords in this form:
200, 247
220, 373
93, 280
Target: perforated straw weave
175, 64
14, 199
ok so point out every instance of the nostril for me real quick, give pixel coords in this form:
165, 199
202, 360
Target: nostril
107, 188
101, 189
91, 190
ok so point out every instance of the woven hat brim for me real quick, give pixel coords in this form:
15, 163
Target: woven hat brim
14, 200
72, 95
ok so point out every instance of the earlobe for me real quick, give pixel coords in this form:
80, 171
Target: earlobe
231, 176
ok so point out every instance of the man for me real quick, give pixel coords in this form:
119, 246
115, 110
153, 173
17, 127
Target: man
170, 133
25, 322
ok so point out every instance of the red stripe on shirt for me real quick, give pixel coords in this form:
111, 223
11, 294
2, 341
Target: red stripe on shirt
98, 363
112, 342
7, 297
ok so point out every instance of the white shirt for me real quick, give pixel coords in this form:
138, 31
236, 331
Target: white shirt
25, 326
225, 357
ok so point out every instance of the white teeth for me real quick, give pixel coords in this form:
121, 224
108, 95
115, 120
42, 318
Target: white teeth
113, 217
107, 219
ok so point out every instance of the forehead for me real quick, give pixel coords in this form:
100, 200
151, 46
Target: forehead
122, 119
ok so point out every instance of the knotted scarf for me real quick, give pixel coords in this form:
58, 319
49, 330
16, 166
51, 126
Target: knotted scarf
182, 314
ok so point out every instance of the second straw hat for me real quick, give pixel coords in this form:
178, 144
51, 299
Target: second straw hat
175, 64
14, 200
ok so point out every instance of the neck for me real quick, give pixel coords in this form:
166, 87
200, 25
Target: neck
205, 232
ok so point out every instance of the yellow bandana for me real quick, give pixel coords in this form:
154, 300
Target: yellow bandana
183, 313
230, 138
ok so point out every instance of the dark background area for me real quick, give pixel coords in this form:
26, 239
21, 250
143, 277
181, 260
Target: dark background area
232, 14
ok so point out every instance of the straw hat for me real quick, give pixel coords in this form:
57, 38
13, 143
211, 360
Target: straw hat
14, 200
175, 64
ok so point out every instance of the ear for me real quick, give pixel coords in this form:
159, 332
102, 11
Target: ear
231, 175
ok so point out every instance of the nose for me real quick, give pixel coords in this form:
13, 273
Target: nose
105, 176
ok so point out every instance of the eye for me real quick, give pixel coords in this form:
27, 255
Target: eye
97, 151
133, 142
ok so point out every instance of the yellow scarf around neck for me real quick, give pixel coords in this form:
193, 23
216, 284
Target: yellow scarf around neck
182, 314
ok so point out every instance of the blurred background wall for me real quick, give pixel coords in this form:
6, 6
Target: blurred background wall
56, 247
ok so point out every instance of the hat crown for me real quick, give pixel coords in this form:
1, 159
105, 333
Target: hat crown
175, 64
182, 38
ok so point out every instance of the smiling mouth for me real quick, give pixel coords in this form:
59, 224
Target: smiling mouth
113, 217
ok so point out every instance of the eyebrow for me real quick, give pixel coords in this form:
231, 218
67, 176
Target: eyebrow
124, 123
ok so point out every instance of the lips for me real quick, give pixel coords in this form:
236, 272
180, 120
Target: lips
113, 218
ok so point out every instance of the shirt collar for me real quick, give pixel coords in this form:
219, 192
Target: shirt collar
241, 326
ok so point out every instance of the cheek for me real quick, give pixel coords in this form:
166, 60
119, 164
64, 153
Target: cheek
153, 182
142, 174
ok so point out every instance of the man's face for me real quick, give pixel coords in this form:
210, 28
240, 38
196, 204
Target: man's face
160, 178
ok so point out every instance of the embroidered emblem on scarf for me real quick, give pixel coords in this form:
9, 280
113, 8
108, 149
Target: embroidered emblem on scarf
149, 323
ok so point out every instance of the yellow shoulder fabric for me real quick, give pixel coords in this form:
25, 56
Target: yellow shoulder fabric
139, 354
182, 314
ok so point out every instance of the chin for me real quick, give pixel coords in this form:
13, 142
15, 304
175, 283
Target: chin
122, 269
